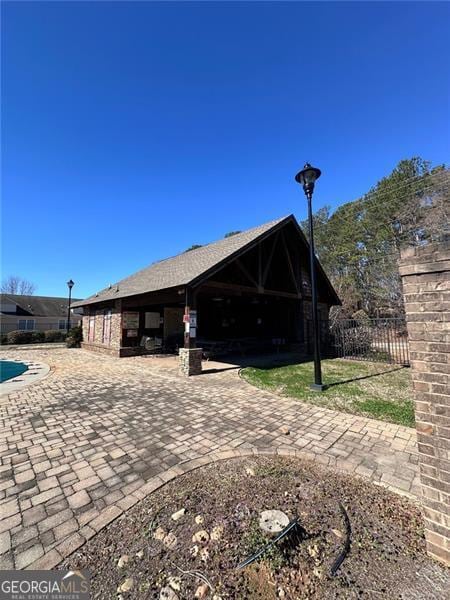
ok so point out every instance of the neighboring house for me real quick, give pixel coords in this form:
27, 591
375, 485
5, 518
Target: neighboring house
35, 313
252, 288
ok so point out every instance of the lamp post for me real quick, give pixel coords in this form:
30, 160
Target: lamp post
70, 285
307, 178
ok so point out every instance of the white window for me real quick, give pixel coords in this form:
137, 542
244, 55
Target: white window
62, 324
107, 327
25, 325
91, 330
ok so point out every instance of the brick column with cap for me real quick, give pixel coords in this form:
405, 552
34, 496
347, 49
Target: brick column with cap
425, 273
190, 361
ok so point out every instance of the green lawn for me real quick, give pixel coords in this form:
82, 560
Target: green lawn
376, 390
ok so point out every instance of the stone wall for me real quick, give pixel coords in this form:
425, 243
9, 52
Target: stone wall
190, 361
113, 347
425, 274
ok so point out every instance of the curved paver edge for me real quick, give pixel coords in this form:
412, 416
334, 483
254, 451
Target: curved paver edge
10, 386
71, 544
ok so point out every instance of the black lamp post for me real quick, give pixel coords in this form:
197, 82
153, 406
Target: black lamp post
307, 178
70, 285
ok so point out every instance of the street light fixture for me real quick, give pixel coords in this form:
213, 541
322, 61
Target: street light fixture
307, 177
70, 285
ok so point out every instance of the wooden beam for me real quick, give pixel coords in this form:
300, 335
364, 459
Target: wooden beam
260, 282
269, 262
239, 289
153, 298
246, 272
291, 268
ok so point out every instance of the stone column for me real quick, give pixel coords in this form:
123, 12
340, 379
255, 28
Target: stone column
425, 274
190, 361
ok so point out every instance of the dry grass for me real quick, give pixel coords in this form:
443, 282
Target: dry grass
371, 389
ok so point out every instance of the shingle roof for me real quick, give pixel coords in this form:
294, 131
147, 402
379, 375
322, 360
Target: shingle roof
187, 267
37, 306
183, 268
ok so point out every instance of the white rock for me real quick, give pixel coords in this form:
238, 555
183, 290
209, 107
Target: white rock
273, 521
285, 430
167, 593
126, 585
201, 591
201, 536
140, 554
313, 551
199, 519
175, 583
177, 515
317, 572
170, 540
123, 561
204, 554
217, 532
194, 550
338, 533
250, 471
159, 534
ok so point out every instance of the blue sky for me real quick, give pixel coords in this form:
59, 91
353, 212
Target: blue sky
132, 130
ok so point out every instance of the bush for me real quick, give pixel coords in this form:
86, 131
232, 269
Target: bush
55, 335
357, 340
75, 337
37, 336
19, 337
3, 339
361, 317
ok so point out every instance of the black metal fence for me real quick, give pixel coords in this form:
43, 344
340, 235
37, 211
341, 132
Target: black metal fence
383, 340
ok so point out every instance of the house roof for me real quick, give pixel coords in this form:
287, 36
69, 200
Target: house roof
36, 306
191, 266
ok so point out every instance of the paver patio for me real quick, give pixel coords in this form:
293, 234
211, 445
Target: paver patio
86, 443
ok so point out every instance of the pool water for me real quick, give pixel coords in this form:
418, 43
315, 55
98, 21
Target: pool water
10, 369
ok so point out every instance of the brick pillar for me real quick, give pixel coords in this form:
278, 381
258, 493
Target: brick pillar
190, 361
425, 275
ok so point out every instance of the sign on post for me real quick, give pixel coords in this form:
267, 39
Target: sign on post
130, 320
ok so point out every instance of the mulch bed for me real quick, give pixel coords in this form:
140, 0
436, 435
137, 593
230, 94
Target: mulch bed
387, 556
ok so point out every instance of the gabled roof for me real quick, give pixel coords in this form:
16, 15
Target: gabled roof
192, 266
36, 306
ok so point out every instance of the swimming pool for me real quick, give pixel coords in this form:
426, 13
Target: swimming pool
10, 369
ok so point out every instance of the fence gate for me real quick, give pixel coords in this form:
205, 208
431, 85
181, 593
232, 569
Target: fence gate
382, 340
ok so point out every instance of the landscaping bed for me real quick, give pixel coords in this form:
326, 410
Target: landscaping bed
376, 390
207, 522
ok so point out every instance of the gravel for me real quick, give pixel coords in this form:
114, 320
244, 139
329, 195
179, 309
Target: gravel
387, 557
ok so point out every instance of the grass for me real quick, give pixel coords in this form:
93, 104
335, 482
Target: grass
254, 539
370, 389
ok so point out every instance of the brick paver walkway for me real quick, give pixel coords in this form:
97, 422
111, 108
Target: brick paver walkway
95, 436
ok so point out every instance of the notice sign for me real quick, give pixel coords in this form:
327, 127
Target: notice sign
152, 320
193, 318
132, 333
130, 320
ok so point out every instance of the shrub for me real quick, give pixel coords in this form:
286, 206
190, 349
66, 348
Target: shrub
75, 337
19, 337
361, 317
37, 336
356, 340
3, 339
55, 335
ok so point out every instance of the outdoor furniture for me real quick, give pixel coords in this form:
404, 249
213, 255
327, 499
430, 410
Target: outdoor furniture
151, 344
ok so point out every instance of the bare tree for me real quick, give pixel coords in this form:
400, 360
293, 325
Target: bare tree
16, 285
